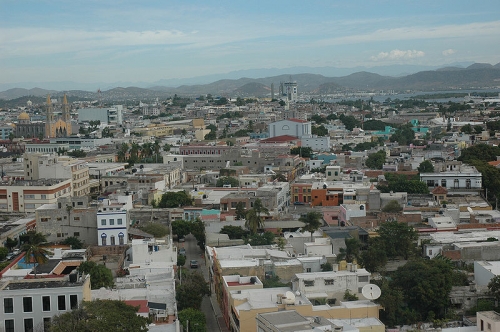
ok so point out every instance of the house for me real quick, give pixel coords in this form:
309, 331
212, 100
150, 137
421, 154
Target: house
291, 127
113, 221
29, 304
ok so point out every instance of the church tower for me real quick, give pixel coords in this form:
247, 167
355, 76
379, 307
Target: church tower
49, 121
66, 116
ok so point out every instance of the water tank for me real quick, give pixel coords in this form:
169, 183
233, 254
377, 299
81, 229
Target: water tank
73, 277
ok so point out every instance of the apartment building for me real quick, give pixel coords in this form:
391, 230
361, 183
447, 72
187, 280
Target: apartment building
30, 304
27, 195
112, 220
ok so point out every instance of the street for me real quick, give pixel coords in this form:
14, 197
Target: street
194, 252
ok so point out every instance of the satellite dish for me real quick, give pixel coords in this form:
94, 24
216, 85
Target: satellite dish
371, 292
289, 298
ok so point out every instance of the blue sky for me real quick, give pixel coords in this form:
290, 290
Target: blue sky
111, 41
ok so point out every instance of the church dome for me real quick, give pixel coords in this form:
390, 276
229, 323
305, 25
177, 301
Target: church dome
23, 116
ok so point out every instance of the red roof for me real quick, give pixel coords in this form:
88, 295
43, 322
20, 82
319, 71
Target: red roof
494, 163
142, 304
297, 120
439, 191
279, 139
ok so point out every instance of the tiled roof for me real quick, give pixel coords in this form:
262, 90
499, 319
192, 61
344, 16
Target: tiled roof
439, 191
297, 120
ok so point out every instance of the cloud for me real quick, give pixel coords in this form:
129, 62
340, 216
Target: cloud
398, 55
449, 51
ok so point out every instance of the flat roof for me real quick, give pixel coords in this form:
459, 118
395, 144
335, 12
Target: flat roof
38, 283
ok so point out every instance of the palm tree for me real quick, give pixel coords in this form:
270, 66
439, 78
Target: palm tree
259, 207
312, 222
156, 148
34, 252
253, 221
122, 152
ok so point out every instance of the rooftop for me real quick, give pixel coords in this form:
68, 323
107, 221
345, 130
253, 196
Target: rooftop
38, 283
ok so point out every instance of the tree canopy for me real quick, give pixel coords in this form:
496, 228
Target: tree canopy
312, 221
404, 135
193, 319
156, 229
376, 160
173, 199
399, 238
227, 180
100, 316
425, 167
304, 152
100, 275
74, 242
191, 291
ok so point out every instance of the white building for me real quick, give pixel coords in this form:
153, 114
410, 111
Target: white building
151, 253
291, 127
348, 211
331, 285
316, 143
484, 271
466, 179
29, 304
108, 115
112, 221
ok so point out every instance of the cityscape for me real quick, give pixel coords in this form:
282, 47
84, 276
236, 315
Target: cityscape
269, 167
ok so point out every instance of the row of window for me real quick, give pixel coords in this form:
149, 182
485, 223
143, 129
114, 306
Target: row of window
310, 283
456, 183
28, 325
8, 303
104, 222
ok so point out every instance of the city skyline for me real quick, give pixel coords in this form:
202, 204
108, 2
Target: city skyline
114, 41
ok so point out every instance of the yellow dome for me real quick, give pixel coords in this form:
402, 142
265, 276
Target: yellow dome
23, 116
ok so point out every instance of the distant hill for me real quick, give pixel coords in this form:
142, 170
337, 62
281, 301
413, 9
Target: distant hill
475, 76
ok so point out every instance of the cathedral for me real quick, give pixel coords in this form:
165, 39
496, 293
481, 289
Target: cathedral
60, 126
54, 126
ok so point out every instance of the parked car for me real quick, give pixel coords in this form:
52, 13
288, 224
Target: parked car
193, 264
182, 251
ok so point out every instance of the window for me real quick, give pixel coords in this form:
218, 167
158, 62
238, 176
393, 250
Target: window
111, 221
29, 196
43, 196
103, 241
112, 240
76, 218
443, 183
363, 279
308, 283
119, 221
46, 303
73, 301
76, 234
44, 219
430, 183
61, 302
28, 325
9, 325
46, 323
103, 222
468, 184
8, 305
79, 203
27, 304
328, 282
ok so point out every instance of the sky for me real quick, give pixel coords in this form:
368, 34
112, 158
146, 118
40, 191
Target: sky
147, 40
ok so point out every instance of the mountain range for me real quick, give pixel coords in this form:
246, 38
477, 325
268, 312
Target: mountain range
474, 76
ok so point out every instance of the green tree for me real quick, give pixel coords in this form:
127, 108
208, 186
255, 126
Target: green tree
312, 221
351, 250
374, 258
173, 199
326, 267
349, 121
77, 153
426, 285
181, 228
181, 260
319, 130
227, 180
156, 229
404, 135
34, 251
399, 238
392, 207
10, 243
273, 282
494, 287
234, 232
467, 129
193, 319
100, 316
3, 253
100, 276
240, 211
190, 293
376, 160
481, 152
395, 312
198, 230
74, 242
122, 152
348, 296
253, 222
426, 167
267, 238
304, 152
478, 129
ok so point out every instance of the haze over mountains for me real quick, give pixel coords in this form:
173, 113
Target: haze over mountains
474, 76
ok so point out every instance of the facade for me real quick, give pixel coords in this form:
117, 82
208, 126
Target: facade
27, 196
316, 143
348, 211
46, 148
70, 216
27, 305
465, 179
291, 127
488, 321
57, 126
5, 132
53, 167
301, 192
153, 253
112, 221
28, 129
108, 115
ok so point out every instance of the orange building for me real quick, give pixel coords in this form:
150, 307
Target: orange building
301, 192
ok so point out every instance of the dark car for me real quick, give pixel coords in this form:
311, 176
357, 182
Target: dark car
193, 264
182, 251
298, 203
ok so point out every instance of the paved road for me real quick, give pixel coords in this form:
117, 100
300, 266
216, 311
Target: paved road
194, 252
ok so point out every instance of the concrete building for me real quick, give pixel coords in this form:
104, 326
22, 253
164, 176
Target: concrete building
488, 321
316, 143
107, 115
30, 304
113, 221
153, 253
465, 180
70, 216
27, 196
291, 127
484, 271
51, 166
348, 211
